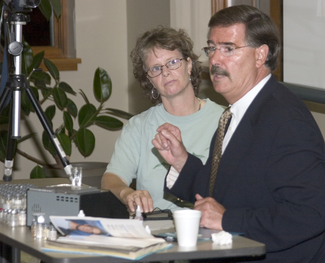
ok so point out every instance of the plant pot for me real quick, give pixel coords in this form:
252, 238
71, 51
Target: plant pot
92, 172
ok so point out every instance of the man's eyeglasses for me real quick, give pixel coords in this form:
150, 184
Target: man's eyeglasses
157, 70
225, 50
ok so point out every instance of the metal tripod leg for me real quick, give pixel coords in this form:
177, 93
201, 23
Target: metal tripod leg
19, 82
43, 119
8, 163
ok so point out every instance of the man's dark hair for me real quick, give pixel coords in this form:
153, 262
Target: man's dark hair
260, 28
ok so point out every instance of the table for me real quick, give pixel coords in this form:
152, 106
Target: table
21, 239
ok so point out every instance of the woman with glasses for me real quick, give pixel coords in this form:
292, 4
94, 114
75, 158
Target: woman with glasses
169, 74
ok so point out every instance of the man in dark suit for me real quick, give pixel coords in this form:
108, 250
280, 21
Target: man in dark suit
270, 183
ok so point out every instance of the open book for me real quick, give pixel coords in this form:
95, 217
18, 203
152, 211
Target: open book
125, 238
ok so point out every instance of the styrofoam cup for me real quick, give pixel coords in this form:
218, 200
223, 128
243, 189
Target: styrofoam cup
187, 224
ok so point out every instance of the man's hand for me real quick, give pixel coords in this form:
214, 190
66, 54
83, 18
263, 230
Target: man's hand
211, 210
168, 142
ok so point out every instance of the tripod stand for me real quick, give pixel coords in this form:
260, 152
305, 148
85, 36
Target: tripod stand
15, 84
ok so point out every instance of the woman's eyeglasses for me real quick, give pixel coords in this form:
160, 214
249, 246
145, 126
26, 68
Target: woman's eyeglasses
171, 65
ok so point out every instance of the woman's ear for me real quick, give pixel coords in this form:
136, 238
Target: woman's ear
189, 66
152, 82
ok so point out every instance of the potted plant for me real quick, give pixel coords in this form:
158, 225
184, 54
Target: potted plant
47, 86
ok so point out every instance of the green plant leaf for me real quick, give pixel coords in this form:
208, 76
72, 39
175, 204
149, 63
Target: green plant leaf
56, 6
41, 76
26, 137
47, 144
68, 122
84, 96
102, 85
50, 112
60, 98
52, 69
46, 9
86, 115
41, 85
60, 129
46, 92
37, 172
63, 139
41, 80
65, 143
26, 106
4, 116
119, 113
72, 108
72, 135
35, 92
67, 88
108, 123
85, 141
37, 60
3, 145
26, 103
27, 57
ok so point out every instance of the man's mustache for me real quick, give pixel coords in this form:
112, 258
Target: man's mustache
217, 70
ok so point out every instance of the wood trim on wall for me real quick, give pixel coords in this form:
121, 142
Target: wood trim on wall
217, 5
58, 53
276, 14
60, 29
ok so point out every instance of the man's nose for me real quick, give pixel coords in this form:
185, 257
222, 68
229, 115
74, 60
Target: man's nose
215, 58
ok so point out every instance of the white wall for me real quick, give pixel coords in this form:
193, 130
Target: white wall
193, 16
304, 42
142, 15
303, 48
101, 39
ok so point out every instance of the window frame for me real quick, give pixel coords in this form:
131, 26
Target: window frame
59, 52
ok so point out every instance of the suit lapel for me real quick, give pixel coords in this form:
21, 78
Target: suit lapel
231, 159
241, 140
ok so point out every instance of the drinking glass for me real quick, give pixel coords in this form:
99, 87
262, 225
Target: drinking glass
76, 176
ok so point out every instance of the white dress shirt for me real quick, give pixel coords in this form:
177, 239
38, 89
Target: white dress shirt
238, 110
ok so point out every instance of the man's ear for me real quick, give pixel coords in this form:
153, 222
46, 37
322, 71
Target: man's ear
261, 55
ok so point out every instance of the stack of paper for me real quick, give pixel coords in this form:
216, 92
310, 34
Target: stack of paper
125, 238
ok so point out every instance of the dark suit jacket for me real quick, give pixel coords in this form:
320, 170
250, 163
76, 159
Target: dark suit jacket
271, 178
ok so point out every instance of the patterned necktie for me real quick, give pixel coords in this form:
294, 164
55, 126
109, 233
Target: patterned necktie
217, 150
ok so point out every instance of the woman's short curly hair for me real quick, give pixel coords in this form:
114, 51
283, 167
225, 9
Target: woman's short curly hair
169, 39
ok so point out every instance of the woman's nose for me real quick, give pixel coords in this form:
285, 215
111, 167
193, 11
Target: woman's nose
165, 70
